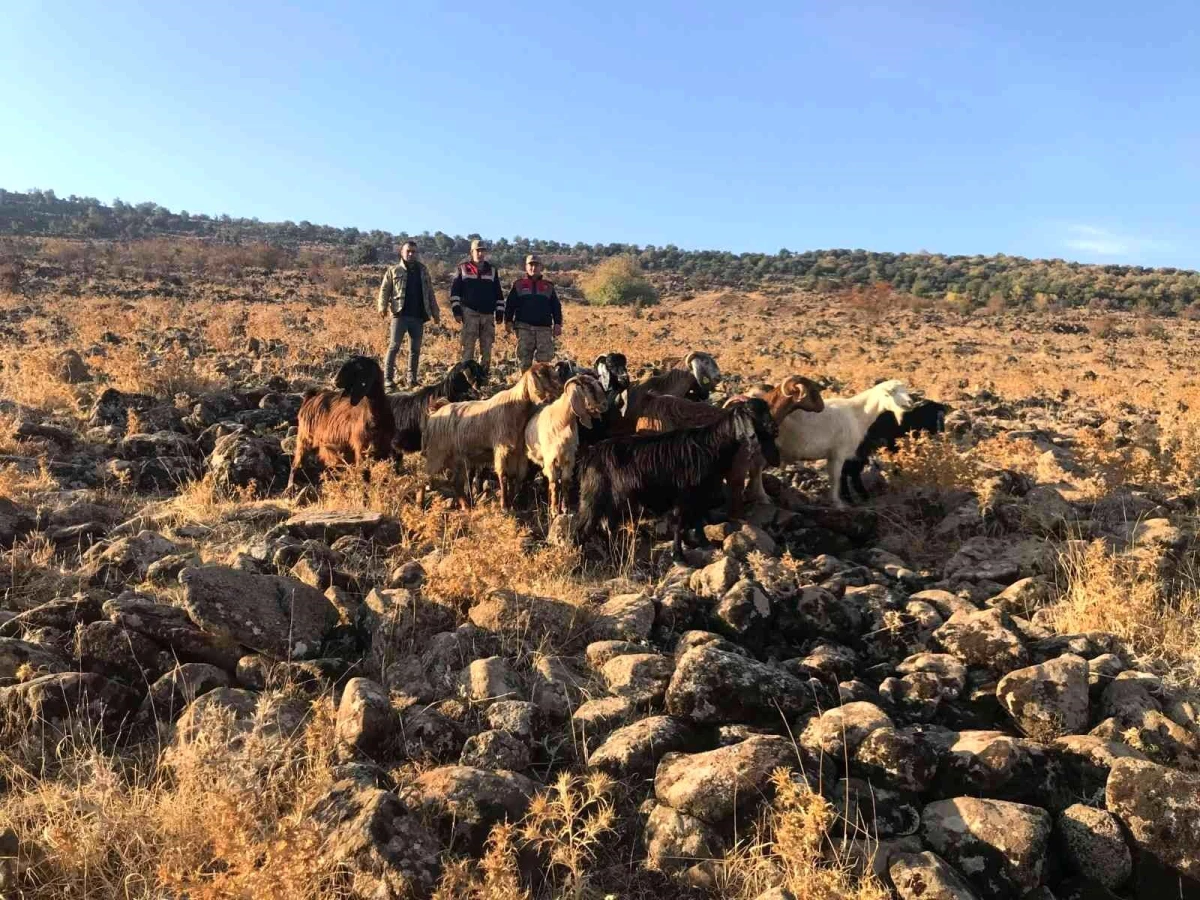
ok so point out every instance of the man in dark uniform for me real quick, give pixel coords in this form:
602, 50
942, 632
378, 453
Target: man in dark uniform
533, 309
477, 301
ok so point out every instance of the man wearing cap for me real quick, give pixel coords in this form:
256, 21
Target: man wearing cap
406, 295
477, 301
534, 310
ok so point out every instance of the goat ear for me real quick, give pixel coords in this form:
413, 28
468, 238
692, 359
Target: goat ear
579, 405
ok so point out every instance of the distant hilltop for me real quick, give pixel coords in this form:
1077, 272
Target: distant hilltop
966, 281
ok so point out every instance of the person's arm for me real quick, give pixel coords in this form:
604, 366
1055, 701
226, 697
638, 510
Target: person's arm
456, 291
510, 308
499, 298
386, 292
427, 283
556, 311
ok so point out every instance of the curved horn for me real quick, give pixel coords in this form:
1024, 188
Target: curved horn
791, 385
689, 359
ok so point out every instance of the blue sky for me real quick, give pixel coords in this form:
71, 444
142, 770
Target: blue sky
1054, 130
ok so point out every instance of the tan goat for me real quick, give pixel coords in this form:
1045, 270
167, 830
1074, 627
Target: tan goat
552, 435
472, 434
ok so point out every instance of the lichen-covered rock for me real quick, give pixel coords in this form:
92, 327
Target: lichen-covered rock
900, 757
62, 614
171, 628
1161, 809
487, 680
1086, 761
999, 846
600, 652
242, 460
926, 876
627, 617
555, 687
22, 660
675, 841
330, 525
115, 652
495, 750
594, 720
15, 522
637, 749
369, 834
466, 802
1092, 842
1048, 700
427, 734
517, 717
877, 811
52, 701
278, 616
366, 722
712, 687
744, 612
171, 694
837, 732
716, 578
128, 559
985, 639
641, 677
530, 619
712, 786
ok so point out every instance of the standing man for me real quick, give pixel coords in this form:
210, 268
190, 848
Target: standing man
406, 294
534, 309
477, 301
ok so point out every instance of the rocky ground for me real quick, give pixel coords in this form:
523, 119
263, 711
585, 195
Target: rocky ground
980, 684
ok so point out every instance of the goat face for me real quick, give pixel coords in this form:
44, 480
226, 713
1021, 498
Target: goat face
612, 372
587, 398
465, 379
704, 369
565, 369
359, 377
765, 429
895, 397
806, 392
544, 383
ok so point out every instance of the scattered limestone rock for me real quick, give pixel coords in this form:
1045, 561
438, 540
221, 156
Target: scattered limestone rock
713, 786
243, 461
926, 876
716, 578
999, 846
1092, 841
51, 701
487, 680
1161, 809
531, 619
985, 638
555, 687
675, 841
466, 802
495, 750
278, 616
171, 694
129, 559
640, 677
626, 617
1048, 700
637, 749
366, 721
712, 687
368, 833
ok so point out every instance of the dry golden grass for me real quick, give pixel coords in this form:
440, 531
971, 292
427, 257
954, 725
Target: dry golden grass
1126, 595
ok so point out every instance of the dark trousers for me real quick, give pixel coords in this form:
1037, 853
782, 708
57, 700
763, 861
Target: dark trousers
415, 329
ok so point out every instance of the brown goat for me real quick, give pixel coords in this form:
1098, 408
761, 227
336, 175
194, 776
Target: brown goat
475, 433
793, 393
349, 425
683, 383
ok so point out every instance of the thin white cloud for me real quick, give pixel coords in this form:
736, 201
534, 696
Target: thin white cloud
1104, 242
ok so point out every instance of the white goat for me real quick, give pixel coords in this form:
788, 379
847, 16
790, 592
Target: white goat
476, 433
835, 433
552, 435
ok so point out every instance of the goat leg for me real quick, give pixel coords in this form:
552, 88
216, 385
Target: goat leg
677, 543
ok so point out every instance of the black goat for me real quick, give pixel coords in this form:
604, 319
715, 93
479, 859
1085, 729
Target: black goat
613, 374
412, 410
673, 471
927, 416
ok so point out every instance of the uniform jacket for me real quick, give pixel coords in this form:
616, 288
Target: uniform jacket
533, 301
477, 287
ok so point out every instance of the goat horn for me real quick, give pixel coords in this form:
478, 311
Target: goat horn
687, 360
791, 384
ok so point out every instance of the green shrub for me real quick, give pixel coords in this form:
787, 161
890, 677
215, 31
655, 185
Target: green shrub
618, 281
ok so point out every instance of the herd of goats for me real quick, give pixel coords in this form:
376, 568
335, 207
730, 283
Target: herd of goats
657, 446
